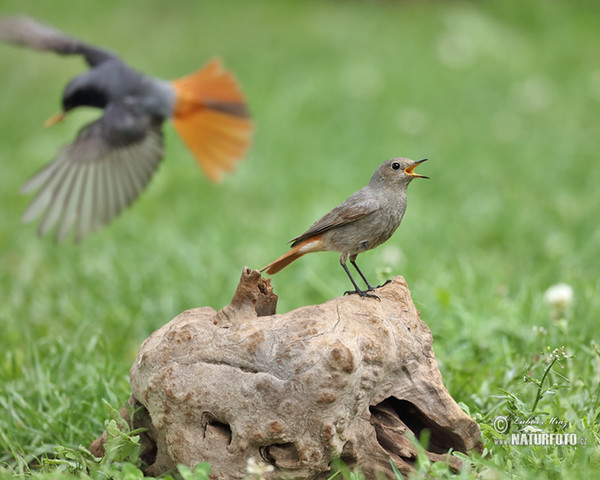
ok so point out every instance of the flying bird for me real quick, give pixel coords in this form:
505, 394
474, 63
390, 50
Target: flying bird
113, 158
363, 221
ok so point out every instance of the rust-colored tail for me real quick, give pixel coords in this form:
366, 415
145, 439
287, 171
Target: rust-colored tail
312, 244
211, 117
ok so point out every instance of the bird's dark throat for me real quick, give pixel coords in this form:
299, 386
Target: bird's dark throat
89, 97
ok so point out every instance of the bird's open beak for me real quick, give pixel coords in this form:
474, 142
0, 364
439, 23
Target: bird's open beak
54, 119
410, 170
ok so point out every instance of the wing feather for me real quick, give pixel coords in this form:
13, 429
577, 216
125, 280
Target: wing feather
354, 207
83, 207
56, 203
98, 175
69, 216
27, 32
44, 197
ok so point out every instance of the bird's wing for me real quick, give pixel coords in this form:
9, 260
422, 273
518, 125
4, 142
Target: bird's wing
357, 206
30, 33
94, 178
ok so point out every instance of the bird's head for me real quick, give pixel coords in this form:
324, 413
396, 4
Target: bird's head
79, 92
397, 171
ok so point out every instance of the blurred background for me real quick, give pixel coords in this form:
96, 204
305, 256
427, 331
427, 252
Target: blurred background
502, 96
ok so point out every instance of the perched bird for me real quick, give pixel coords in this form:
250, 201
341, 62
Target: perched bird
114, 157
364, 221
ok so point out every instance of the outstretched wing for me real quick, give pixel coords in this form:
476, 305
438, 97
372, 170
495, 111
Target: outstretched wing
30, 33
353, 208
94, 178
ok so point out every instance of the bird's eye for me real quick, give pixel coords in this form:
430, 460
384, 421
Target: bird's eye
395, 165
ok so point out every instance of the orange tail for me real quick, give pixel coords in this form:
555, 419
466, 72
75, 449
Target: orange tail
211, 118
312, 244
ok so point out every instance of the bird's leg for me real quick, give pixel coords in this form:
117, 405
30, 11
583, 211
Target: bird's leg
356, 290
370, 287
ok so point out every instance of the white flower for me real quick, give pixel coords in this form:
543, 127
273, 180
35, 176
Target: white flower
559, 296
258, 469
539, 331
559, 353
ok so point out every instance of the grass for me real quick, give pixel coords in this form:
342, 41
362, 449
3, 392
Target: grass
503, 97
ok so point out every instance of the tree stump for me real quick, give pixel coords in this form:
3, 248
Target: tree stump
353, 378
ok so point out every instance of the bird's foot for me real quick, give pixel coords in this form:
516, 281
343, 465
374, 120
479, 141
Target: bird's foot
361, 293
384, 284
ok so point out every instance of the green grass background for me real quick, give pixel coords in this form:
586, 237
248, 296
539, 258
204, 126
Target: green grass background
503, 96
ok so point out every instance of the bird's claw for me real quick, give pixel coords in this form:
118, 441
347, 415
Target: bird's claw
384, 284
361, 293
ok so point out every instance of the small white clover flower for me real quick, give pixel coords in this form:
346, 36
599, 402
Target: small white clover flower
559, 296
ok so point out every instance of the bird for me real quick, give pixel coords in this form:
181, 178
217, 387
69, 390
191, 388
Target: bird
362, 222
113, 158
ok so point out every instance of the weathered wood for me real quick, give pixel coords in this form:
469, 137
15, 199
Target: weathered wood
353, 378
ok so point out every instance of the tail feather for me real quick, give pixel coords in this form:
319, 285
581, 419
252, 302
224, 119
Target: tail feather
313, 244
221, 156
210, 116
282, 262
